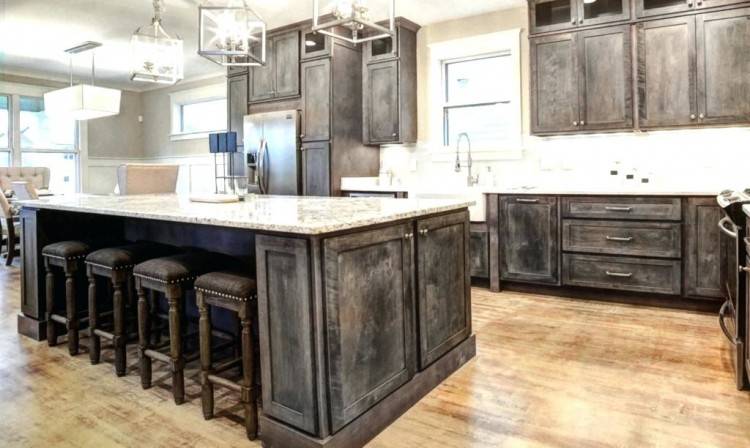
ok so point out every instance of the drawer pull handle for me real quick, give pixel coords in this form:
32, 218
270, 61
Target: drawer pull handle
528, 201
619, 274
624, 239
619, 209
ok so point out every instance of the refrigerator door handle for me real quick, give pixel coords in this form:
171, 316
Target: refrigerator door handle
262, 182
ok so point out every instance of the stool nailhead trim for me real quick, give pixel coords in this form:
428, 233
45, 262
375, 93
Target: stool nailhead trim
179, 280
116, 268
226, 296
77, 257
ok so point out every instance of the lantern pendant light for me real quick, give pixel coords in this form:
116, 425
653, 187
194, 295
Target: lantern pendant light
353, 16
155, 55
231, 34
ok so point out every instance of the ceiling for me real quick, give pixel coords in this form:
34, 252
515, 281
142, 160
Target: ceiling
34, 33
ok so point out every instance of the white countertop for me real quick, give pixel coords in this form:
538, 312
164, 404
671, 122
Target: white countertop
746, 209
301, 215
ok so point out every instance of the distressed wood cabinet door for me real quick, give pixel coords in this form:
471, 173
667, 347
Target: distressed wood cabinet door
370, 312
552, 15
316, 169
666, 72
286, 64
316, 100
285, 320
606, 81
479, 245
723, 59
262, 79
444, 286
528, 227
237, 105
381, 102
650, 8
703, 248
554, 84
597, 13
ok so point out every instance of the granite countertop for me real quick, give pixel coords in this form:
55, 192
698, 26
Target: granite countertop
287, 214
746, 209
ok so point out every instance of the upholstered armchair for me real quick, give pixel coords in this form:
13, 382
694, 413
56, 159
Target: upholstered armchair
147, 179
24, 190
36, 176
10, 229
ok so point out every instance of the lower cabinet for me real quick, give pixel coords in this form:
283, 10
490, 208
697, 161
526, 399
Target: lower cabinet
316, 169
444, 288
703, 248
622, 273
528, 235
368, 362
479, 245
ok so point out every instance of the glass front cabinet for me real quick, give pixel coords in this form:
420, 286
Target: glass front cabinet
555, 15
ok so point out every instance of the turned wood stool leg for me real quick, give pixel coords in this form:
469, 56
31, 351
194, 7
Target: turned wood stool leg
207, 388
95, 347
118, 341
49, 290
144, 331
156, 333
175, 346
71, 312
248, 399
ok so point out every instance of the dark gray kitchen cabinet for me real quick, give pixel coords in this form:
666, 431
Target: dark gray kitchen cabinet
554, 84
316, 169
529, 239
314, 45
316, 100
582, 81
723, 66
279, 78
557, 15
605, 78
479, 244
703, 248
368, 362
650, 8
381, 102
666, 73
237, 104
444, 300
389, 88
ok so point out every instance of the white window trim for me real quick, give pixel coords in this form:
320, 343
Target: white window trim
190, 96
485, 45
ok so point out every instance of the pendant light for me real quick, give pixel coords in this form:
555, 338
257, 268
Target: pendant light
231, 34
353, 16
84, 101
155, 55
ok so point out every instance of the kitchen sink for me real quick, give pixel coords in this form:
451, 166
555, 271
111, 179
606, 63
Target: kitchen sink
477, 212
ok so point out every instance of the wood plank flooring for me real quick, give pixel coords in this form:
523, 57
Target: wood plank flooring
549, 372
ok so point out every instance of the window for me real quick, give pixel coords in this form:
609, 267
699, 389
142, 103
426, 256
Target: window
478, 100
4, 123
204, 116
198, 112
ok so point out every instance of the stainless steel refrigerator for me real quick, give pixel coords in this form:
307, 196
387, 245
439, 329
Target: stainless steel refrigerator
271, 139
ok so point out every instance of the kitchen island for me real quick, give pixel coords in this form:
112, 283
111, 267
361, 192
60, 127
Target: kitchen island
364, 304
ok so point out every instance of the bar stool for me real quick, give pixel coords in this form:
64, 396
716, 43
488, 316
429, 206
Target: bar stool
68, 255
116, 264
237, 293
172, 276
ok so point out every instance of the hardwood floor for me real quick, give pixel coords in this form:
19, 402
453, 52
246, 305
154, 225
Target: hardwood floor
549, 372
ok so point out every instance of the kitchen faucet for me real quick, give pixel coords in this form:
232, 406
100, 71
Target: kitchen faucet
470, 180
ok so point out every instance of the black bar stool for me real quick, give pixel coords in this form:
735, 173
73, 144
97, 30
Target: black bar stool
171, 276
116, 264
68, 255
235, 292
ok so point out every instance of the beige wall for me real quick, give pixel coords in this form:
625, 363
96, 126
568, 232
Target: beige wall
157, 123
120, 136
461, 28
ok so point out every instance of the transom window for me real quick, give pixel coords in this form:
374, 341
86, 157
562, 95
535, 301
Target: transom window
203, 116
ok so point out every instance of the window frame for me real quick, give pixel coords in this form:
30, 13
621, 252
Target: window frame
76, 135
186, 97
7, 151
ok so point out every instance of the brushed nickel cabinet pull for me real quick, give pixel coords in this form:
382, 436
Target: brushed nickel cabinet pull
619, 274
573, 22
692, 116
527, 201
624, 239
583, 123
575, 123
619, 209
424, 232
744, 269
702, 116
580, 21
409, 236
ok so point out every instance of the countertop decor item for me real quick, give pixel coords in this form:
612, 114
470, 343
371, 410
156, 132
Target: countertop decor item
231, 34
155, 55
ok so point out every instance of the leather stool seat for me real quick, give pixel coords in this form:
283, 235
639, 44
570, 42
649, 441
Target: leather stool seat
124, 257
183, 267
66, 250
227, 284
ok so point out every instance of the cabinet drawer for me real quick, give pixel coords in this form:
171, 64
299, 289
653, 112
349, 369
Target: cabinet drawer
645, 239
659, 209
627, 274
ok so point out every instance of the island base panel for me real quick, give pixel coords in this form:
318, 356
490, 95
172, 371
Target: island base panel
366, 427
32, 328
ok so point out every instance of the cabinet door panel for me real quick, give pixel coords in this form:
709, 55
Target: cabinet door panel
554, 84
316, 169
529, 239
606, 85
724, 66
666, 72
316, 100
369, 319
262, 78
603, 11
286, 64
650, 8
479, 248
552, 15
381, 102
703, 248
237, 105
444, 285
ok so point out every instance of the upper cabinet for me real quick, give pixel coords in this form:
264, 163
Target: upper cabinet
555, 15
279, 78
314, 45
582, 81
389, 88
650, 8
